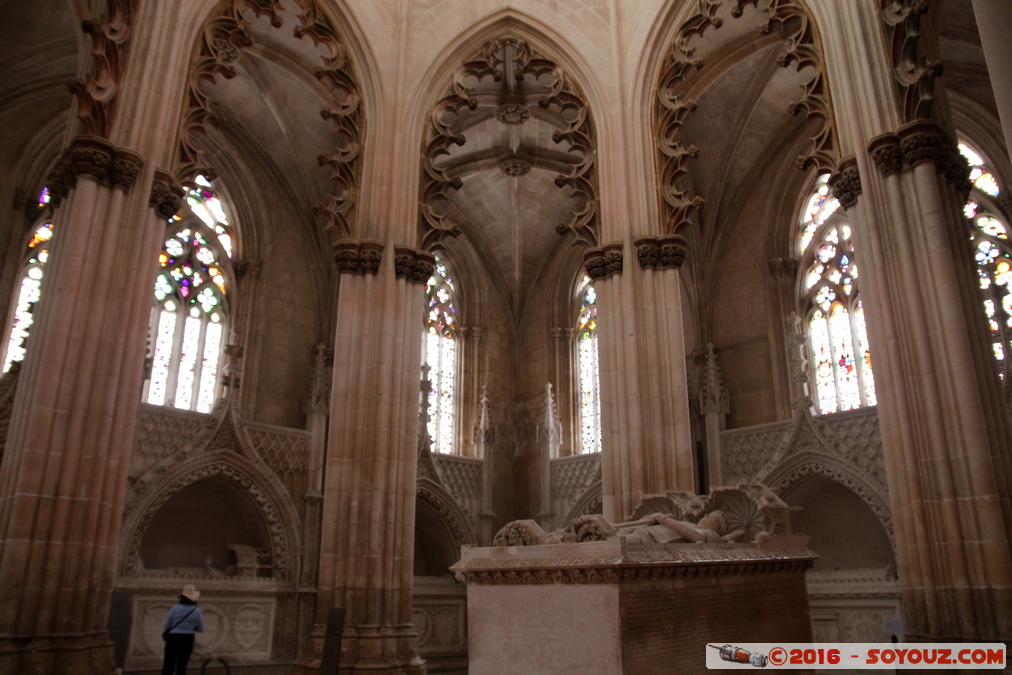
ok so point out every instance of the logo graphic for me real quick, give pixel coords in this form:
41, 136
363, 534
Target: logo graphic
739, 655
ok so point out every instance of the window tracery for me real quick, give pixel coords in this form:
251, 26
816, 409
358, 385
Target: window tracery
441, 356
29, 287
189, 315
831, 303
588, 368
992, 254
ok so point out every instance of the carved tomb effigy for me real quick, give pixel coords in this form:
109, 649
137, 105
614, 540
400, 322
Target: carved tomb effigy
644, 596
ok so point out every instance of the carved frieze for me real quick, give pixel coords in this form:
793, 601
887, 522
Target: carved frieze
781, 267
95, 157
846, 182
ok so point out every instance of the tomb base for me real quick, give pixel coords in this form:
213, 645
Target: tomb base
612, 606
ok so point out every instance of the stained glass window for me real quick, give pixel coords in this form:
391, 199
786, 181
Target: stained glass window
837, 335
191, 292
441, 356
29, 289
989, 232
588, 368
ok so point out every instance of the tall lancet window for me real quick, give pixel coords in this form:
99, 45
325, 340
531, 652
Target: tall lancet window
29, 288
831, 304
588, 368
441, 356
191, 293
992, 253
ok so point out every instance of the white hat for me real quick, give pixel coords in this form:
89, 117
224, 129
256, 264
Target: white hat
190, 593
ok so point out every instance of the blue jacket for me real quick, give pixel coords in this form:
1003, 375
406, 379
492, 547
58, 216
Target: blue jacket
194, 623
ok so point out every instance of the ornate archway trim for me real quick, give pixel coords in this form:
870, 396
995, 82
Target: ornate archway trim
162, 482
802, 465
446, 506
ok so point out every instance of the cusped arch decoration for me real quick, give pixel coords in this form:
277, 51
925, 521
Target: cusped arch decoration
788, 20
800, 466
446, 506
167, 478
530, 84
223, 37
590, 502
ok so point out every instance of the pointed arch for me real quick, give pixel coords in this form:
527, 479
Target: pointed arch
452, 515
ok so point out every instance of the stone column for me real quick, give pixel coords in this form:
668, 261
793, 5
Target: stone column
484, 445
945, 429
549, 441
64, 474
647, 444
369, 490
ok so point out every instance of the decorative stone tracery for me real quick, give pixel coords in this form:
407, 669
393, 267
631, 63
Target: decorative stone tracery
509, 60
96, 92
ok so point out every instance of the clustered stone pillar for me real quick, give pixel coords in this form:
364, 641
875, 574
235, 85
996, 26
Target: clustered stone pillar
645, 402
366, 554
63, 479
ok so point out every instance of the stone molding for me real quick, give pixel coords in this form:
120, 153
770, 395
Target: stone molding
96, 92
918, 142
846, 182
601, 263
166, 194
357, 257
95, 157
415, 266
690, 561
450, 512
661, 252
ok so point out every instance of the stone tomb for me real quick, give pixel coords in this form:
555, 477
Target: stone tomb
622, 605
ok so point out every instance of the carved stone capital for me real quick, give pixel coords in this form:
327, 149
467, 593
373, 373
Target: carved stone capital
166, 194
661, 252
357, 257
885, 152
601, 263
846, 182
124, 168
780, 267
95, 157
922, 141
413, 265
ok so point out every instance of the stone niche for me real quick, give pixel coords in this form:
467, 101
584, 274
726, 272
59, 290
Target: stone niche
620, 604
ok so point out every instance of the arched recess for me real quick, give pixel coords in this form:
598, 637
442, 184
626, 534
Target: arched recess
798, 467
835, 517
444, 519
169, 477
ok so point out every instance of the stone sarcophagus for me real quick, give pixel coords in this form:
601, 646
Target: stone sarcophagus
639, 597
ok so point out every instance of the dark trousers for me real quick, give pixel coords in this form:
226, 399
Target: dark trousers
178, 647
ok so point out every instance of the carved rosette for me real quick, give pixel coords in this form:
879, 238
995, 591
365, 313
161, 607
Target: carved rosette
414, 265
512, 113
224, 37
601, 263
95, 157
166, 194
918, 142
661, 252
96, 91
357, 257
515, 167
846, 182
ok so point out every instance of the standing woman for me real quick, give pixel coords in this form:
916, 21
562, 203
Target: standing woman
183, 621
